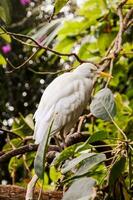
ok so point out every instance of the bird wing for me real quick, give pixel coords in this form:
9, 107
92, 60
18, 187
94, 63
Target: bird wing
63, 100
51, 95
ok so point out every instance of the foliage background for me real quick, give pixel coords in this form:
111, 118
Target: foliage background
88, 29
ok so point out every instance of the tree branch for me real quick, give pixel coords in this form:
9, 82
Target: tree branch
52, 73
38, 45
21, 65
12, 192
115, 46
127, 19
24, 149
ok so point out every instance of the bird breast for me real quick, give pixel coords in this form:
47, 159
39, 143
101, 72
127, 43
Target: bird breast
69, 108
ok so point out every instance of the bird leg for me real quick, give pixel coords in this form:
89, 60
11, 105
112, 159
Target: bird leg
81, 120
56, 138
62, 135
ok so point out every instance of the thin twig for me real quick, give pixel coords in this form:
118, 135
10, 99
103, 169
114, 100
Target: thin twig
10, 132
120, 130
9, 141
26, 165
25, 43
130, 167
115, 46
104, 145
21, 65
130, 23
118, 42
127, 21
110, 71
110, 166
51, 73
46, 48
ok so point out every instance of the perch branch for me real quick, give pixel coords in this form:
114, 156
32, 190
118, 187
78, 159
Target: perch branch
24, 149
18, 151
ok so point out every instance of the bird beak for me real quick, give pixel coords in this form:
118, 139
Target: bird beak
104, 74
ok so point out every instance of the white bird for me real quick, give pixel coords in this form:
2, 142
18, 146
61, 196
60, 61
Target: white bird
64, 101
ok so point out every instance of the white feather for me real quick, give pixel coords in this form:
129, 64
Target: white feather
64, 99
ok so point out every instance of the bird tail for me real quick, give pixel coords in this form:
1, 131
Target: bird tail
42, 123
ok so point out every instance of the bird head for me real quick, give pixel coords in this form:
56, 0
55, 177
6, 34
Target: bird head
89, 70
86, 70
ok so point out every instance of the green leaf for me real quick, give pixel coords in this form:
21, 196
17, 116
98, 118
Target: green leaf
65, 45
99, 135
67, 153
71, 164
18, 127
116, 170
81, 189
28, 120
89, 163
2, 60
73, 28
46, 184
6, 9
58, 5
23, 126
93, 10
124, 112
39, 162
103, 105
14, 164
2, 14
128, 129
89, 51
16, 143
104, 41
46, 179
30, 156
54, 174
127, 48
5, 36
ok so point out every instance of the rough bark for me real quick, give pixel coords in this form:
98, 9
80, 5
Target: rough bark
12, 192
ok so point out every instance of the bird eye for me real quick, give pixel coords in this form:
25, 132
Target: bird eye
93, 69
